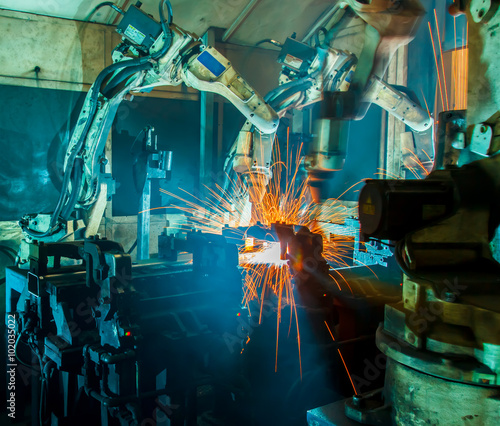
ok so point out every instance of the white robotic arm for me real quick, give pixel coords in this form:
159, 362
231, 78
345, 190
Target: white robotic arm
164, 55
307, 74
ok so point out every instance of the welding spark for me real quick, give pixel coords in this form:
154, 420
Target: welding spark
459, 68
286, 199
419, 169
264, 253
343, 361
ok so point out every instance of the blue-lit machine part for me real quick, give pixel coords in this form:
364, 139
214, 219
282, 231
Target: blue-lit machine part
366, 253
118, 338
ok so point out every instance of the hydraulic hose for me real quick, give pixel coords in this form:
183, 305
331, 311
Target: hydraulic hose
75, 189
93, 108
280, 89
165, 25
121, 76
290, 92
105, 3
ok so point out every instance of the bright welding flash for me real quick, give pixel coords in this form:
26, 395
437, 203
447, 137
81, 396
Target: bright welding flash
249, 243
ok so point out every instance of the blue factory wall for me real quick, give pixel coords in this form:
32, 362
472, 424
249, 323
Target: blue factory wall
34, 128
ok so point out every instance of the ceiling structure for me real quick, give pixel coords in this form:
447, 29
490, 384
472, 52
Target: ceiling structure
246, 21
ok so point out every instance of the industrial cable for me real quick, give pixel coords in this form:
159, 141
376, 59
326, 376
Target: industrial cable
122, 76
317, 43
280, 89
282, 97
139, 65
337, 26
105, 3
352, 61
165, 25
15, 350
95, 91
289, 103
269, 40
75, 189
46, 373
55, 225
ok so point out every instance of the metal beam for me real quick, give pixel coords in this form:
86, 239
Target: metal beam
239, 20
396, 74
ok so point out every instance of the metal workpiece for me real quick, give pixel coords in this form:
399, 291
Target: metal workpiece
364, 253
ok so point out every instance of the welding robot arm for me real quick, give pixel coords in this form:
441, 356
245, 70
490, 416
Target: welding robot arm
331, 75
151, 54
388, 26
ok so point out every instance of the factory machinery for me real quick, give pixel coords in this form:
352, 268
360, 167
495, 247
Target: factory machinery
441, 339
167, 341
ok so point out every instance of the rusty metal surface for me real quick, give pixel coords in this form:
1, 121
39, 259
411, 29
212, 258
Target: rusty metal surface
450, 329
421, 399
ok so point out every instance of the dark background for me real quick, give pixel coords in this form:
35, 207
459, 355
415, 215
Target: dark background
34, 128
36, 124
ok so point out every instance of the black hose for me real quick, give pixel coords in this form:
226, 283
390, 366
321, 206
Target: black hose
269, 40
131, 249
332, 33
44, 391
280, 89
169, 10
93, 107
316, 37
15, 351
105, 3
75, 189
290, 92
54, 225
349, 64
120, 77
165, 25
